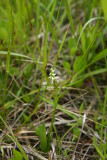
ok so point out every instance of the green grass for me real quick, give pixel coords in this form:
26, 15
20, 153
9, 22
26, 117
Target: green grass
38, 116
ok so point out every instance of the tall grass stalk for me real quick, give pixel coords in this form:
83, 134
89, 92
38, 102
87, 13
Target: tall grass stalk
15, 139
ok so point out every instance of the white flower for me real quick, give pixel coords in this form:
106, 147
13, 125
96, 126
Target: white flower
52, 75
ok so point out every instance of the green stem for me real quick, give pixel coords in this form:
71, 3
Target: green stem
54, 108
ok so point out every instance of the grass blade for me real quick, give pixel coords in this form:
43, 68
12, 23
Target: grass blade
15, 139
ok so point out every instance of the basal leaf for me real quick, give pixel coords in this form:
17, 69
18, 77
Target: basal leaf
41, 132
16, 155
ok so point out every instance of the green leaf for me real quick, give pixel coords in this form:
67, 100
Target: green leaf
104, 7
81, 108
79, 67
4, 28
16, 155
9, 104
79, 63
84, 76
26, 98
68, 10
63, 109
76, 132
99, 56
98, 149
67, 67
26, 118
83, 42
72, 45
88, 22
28, 70
14, 54
71, 114
3, 33
41, 132
14, 71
